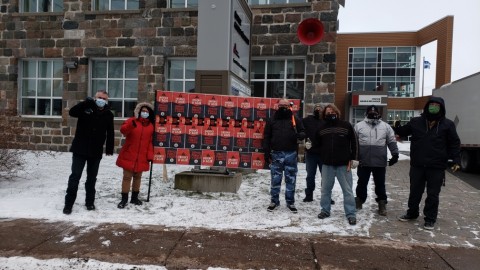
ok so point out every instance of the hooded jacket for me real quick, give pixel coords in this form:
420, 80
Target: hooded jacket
281, 135
137, 151
94, 126
432, 147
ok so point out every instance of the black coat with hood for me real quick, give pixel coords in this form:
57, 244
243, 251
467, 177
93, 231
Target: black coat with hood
94, 126
281, 135
432, 147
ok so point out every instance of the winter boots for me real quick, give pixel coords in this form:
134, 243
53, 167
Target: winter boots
124, 201
382, 208
308, 197
135, 199
358, 203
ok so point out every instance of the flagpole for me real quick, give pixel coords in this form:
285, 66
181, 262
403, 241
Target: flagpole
423, 74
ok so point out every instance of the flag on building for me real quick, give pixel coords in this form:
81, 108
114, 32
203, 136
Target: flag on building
426, 64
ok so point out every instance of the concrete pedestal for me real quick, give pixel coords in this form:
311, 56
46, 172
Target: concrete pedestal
205, 182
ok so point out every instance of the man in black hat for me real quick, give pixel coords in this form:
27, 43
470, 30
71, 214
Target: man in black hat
374, 136
434, 140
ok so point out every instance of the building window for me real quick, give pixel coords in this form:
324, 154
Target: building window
119, 77
273, 2
41, 86
390, 69
278, 78
181, 75
399, 117
183, 3
41, 6
115, 4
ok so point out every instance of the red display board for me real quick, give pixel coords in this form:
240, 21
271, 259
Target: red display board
212, 130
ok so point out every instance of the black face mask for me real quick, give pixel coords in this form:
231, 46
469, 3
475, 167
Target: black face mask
372, 115
331, 117
283, 113
316, 114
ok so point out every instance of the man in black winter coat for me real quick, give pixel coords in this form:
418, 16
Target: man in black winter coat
434, 140
94, 127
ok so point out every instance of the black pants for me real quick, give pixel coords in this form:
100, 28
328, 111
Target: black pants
363, 174
78, 163
433, 180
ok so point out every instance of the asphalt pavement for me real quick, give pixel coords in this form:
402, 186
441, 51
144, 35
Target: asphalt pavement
391, 244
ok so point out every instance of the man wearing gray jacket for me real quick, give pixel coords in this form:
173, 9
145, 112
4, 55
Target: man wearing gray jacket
374, 136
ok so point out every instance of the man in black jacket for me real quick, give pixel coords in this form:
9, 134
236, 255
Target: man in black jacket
94, 127
434, 140
338, 145
280, 144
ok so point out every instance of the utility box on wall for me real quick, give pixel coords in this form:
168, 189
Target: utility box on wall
223, 54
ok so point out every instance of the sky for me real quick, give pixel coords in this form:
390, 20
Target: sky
38, 191
412, 15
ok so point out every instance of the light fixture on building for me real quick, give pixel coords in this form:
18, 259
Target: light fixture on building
71, 64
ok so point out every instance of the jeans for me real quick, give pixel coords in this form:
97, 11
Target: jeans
312, 162
346, 183
433, 179
78, 163
378, 178
283, 163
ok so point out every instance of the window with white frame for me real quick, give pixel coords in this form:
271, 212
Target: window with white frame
183, 3
273, 2
115, 4
119, 77
399, 117
181, 75
41, 6
41, 87
278, 78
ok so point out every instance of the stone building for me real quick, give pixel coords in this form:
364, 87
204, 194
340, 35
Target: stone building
55, 53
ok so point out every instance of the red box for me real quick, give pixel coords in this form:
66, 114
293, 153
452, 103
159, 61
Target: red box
258, 161
245, 108
209, 138
208, 157
164, 103
256, 136
228, 107
225, 138
261, 108
171, 156
183, 156
241, 140
162, 135
212, 106
220, 158
179, 104
233, 159
177, 139
245, 160
193, 137
159, 155
196, 157
196, 107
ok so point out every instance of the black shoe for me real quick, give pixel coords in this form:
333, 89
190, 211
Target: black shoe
292, 208
90, 207
134, 199
352, 221
67, 210
429, 225
124, 201
407, 217
323, 215
271, 207
358, 203
332, 202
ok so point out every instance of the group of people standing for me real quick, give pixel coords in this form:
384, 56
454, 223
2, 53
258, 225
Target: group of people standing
335, 147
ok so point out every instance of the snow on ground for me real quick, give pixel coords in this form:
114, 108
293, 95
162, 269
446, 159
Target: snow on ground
38, 193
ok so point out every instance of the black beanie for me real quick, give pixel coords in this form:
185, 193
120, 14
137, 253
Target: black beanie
372, 108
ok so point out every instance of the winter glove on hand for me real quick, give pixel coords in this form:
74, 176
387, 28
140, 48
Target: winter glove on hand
455, 167
354, 164
393, 160
308, 144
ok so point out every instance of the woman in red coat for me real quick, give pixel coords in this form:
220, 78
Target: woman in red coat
137, 152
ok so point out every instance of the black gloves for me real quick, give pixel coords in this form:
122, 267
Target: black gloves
393, 160
89, 105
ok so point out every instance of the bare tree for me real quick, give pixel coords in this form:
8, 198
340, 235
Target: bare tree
11, 158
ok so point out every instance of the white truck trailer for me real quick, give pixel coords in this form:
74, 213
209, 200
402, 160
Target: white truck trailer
462, 102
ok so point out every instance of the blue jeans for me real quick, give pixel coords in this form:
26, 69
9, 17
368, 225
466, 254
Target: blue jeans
346, 183
283, 163
312, 162
363, 174
78, 163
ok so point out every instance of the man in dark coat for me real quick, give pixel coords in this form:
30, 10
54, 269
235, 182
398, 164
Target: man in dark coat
94, 127
280, 143
434, 140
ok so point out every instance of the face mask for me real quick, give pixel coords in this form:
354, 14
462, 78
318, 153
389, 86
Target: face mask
331, 117
372, 115
433, 109
144, 114
282, 109
316, 114
100, 102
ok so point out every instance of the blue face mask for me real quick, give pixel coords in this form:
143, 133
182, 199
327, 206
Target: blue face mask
100, 102
144, 114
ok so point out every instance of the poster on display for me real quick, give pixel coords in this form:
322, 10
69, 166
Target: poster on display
212, 130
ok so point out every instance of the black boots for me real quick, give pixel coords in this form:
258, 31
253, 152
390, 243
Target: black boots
124, 201
308, 197
382, 208
135, 199
358, 203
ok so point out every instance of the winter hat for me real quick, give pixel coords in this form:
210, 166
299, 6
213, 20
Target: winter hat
318, 105
372, 108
